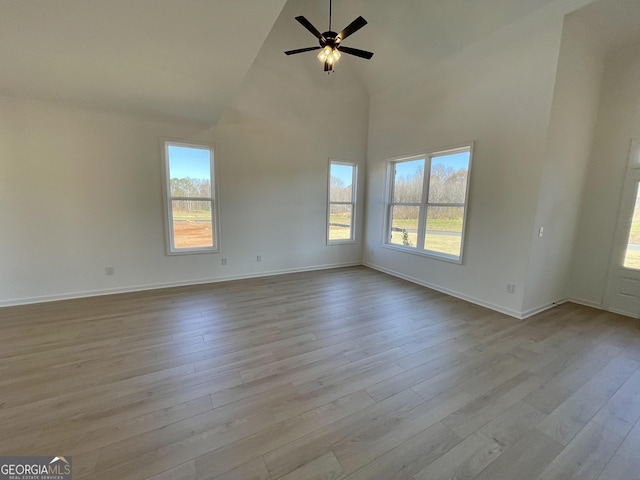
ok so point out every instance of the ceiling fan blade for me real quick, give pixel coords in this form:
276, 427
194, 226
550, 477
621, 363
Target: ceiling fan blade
307, 24
301, 50
357, 52
353, 27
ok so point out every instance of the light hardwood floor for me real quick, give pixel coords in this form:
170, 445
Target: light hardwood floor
338, 374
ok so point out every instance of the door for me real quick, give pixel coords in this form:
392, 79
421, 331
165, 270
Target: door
623, 292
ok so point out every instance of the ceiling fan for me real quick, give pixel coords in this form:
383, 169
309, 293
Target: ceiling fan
330, 42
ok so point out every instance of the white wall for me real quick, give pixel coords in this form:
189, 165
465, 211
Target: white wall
571, 127
277, 138
618, 122
81, 189
497, 92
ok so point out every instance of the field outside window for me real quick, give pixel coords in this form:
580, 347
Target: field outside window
427, 202
191, 203
342, 202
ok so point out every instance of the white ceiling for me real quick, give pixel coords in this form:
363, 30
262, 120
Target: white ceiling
407, 35
187, 59
177, 58
614, 23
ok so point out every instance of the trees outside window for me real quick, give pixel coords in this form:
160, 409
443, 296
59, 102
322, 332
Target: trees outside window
190, 198
427, 202
342, 202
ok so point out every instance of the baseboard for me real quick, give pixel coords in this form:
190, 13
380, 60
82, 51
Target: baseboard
453, 293
157, 286
622, 312
601, 306
586, 303
534, 311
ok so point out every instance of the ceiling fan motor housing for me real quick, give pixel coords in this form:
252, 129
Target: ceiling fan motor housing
329, 39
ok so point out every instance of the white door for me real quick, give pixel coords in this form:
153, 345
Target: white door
623, 292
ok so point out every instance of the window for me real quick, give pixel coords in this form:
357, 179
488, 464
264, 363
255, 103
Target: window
191, 205
427, 202
342, 202
632, 254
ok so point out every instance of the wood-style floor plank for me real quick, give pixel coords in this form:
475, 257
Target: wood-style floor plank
410, 456
325, 467
345, 374
622, 410
625, 463
584, 458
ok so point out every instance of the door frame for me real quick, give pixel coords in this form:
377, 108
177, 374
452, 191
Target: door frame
625, 212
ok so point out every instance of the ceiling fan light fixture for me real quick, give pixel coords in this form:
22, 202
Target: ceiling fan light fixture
329, 55
330, 42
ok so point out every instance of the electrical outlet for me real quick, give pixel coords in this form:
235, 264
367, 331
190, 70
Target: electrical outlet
109, 270
223, 261
259, 258
511, 288
540, 232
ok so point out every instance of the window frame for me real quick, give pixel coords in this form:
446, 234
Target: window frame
632, 203
168, 198
424, 204
352, 203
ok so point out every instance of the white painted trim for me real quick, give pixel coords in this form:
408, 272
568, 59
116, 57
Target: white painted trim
424, 203
453, 293
156, 286
625, 313
353, 203
626, 204
534, 311
166, 142
586, 303
600, 306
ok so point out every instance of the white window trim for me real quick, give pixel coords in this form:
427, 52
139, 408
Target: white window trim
353, 203
626, 206
427, 156
168, 211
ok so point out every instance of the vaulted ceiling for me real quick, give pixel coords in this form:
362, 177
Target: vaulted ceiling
178, 58
187, 59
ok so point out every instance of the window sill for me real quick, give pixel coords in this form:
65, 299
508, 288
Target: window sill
193, 251
340, 242
424, 253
